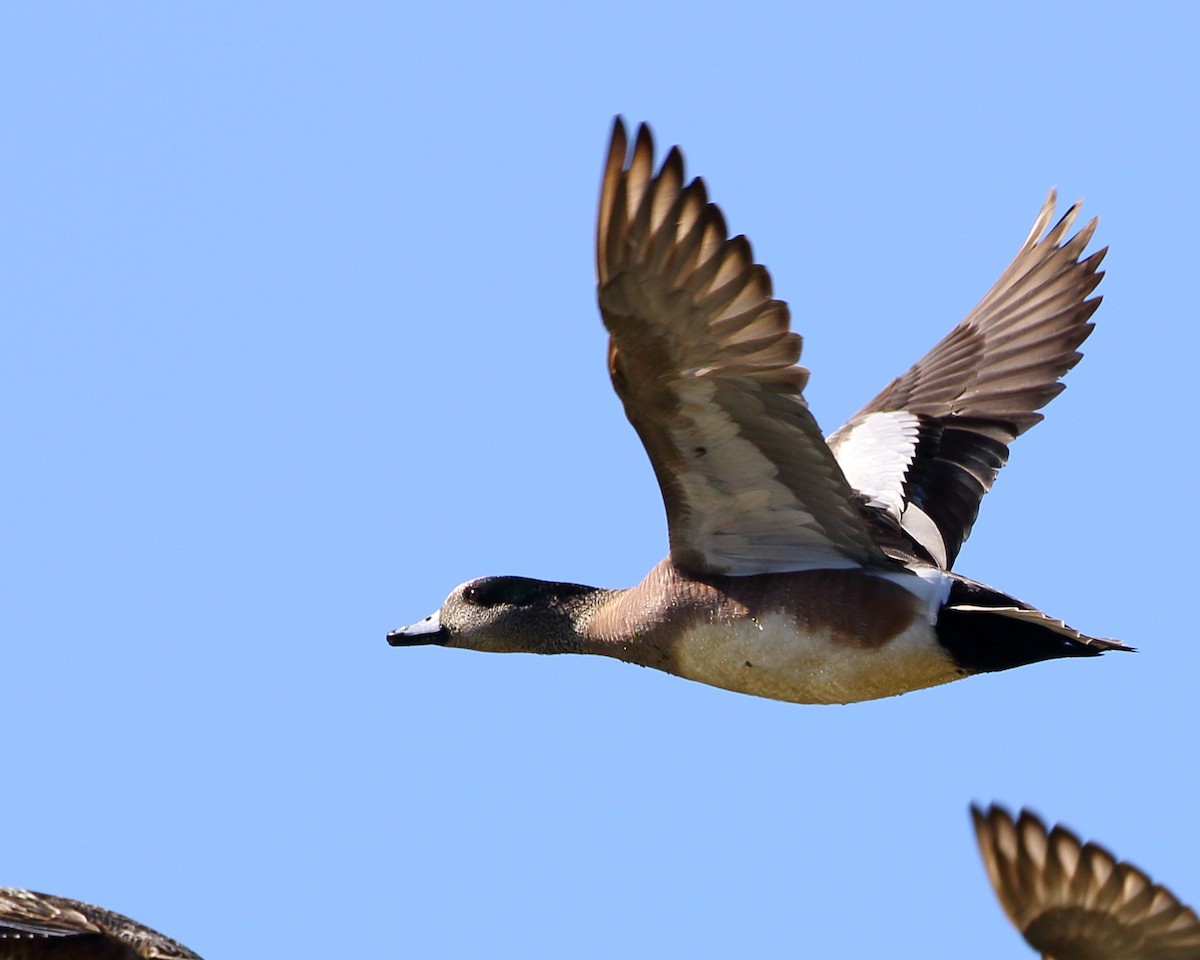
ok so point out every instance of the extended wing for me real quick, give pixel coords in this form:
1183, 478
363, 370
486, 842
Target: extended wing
703, 360
929, 446
1076, 900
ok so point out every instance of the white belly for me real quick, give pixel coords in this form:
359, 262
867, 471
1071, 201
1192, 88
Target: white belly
771, 658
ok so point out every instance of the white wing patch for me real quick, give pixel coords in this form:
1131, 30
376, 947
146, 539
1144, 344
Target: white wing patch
875, 456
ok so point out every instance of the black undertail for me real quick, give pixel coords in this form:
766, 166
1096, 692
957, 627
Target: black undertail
983, 640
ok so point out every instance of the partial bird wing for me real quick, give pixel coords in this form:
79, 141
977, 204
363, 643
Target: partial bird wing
1074, 901
703, 360
928, 447
34, 926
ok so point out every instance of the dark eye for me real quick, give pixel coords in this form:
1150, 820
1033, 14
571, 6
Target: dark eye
503, 591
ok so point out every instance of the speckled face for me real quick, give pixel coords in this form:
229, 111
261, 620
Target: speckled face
499, 615
486, 614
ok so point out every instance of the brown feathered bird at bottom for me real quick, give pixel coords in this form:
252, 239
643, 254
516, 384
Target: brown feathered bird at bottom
39, 926
800, 568
1076, 901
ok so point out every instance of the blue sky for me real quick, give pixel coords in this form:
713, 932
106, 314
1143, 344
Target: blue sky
299, 333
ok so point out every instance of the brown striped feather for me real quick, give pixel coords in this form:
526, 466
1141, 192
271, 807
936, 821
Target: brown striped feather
1076, 901
39, 926
704, 361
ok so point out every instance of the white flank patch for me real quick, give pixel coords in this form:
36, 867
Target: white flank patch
928, 584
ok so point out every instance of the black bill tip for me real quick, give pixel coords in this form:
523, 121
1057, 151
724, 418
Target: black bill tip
427, 631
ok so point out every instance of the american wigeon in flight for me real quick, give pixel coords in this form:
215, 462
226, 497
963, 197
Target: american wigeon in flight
1076, 901
801, 568
38, 926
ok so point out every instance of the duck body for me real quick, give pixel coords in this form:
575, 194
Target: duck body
801, 567
811, 636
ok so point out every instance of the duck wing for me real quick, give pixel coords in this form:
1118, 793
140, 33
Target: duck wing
1074, 900
39, 926
704, 362
929, 446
